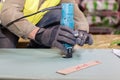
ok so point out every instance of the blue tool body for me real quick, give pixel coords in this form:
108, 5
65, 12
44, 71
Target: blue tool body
67, 20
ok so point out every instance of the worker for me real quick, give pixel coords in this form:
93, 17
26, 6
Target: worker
43, 29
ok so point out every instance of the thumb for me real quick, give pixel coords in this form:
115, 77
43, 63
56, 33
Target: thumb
89, 40
60, 46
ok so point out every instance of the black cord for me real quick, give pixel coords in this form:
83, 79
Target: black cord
43, 10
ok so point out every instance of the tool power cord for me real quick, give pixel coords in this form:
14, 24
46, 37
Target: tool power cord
43, 10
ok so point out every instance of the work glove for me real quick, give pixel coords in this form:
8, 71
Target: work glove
55, 36
82, 37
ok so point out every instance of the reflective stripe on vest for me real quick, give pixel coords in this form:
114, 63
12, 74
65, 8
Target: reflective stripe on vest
31, 6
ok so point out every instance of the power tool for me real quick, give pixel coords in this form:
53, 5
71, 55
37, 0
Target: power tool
67, 19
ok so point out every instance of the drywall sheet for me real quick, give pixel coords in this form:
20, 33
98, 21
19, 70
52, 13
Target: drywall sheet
42, 64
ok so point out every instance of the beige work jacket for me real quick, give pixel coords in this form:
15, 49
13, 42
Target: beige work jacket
13, 9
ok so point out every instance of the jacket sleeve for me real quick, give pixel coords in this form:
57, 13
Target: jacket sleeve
80, 20
12, 9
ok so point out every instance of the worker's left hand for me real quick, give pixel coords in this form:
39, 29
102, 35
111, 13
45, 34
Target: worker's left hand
83, 37
55, 36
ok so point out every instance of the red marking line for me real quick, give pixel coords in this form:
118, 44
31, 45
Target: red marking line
78, 67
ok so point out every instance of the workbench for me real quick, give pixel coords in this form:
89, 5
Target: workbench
42, 64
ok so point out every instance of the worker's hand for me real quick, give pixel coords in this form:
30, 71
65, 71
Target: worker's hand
83, 37
55, 37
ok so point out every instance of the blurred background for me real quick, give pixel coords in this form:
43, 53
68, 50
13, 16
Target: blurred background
104, 19
103, 15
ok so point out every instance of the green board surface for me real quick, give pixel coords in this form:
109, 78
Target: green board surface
42, 64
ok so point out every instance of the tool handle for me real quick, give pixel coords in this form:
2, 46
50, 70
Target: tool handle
67, 19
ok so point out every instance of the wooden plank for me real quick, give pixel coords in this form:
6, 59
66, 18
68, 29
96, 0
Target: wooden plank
78, 67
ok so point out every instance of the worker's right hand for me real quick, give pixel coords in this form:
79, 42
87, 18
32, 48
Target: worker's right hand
55, 37
83, 37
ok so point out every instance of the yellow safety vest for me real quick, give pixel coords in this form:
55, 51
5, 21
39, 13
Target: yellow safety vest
31, 6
